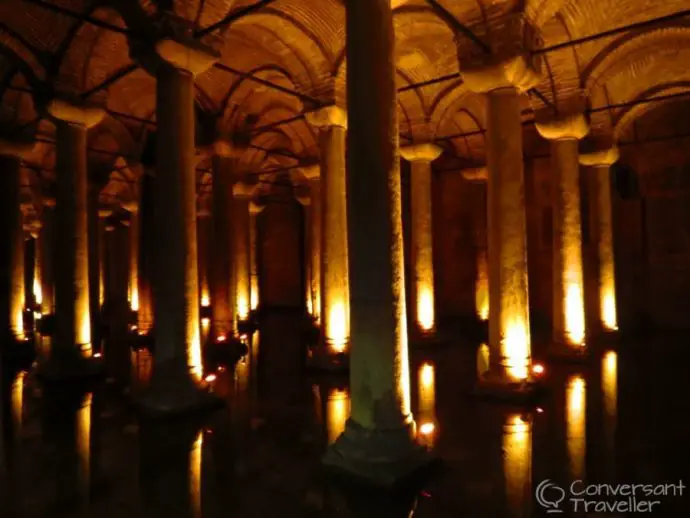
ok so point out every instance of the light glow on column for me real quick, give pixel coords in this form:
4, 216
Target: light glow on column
205, 300
609, 317
607, 278
515, 348
483, 355
84, 331
337, 412
134, 298
254, 297
37, 289
575, 425
425, 308
242, 306
575, 314
426, 421
517, 461
481, 295
337, 328
194, 359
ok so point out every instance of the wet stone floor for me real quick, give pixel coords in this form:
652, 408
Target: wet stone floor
623, 419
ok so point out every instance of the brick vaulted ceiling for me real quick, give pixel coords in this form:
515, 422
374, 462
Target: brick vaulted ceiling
283, 57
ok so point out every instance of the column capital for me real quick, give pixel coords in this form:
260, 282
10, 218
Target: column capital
105, 213
510, 62
228, 147
48, 201
312, 172
574, 126
255, 208
131, 206
243, 190
303, 200
16, 148
327, 116
476, 174
603, 157
74, 112
422, 152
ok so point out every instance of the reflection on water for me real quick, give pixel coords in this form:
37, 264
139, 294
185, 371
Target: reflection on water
195, 458
609, 383
337, 412
17, 406
142, 368
83, 437
517, 463
426, 416
482, 360
575, 407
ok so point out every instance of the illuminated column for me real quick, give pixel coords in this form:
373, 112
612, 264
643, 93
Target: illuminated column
221, 264
242, 193
480, 175
337, 412
134, 239
254, 211
203, 230
146, 252
94, 191
601, 162
305, 201
568, 283
335, 291
46, 256
502, 80
102, 215
12, 220
422, 258
426, 419
73, 333
609, 385
575, 415
176, 380
379, 439
312, 173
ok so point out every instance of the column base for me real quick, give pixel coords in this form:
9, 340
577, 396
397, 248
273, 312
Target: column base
72, 367
565, 353
495, 387
383, 458
606, 340
427, 340
322, 360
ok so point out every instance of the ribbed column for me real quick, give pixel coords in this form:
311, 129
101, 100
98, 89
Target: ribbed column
313, 175
378, 442
178, 368
422, 256
335, 288
254, 211
568, 319
221, 202
242, 194
502, 78
73, 334
600, 162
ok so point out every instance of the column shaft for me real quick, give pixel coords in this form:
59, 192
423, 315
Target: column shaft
72, 256
134, 240
308, 227
509, 333
46, 258
422, 250
568, 293
241, 256
334, 265
607, 279
315, 246
101, 262
146, 253
203, 224
253, 266
220, 257
176, 283
94, 264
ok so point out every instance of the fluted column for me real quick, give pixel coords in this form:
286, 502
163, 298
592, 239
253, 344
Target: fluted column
378, 442
568, 320
73, 337
221, 201
313, 175
600, 162
423, 304
503, 78
335, 290
13, 237
254, 211
178, 369
242, 194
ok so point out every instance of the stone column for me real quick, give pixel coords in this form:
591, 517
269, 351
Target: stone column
134, 235
254, 211
94, 266
600, 162
479, 176
305, 202
72, 342
221, 202
568, 319
13, 239
422, 257
176, 381
242, 194
46, 255
313, 176
146, 252
203, 222
378, 442
502, 78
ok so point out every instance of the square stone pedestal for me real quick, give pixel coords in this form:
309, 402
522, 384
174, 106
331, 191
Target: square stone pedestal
322, 360
427, 340
567, 354
380, 458
496, 388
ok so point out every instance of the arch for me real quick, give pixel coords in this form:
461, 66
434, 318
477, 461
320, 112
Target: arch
14, 48
538, 12
450, 99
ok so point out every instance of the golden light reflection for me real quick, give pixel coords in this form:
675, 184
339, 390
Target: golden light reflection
425, 308
609, 382
337, 412
254, 297
134, 298
84, 334
609, 317
310, 307
517, 462
194, 358
242, 307
195, 458
575, 314
337, 328
482, 359
481, 295
18, 400
575, 425
84, 445
205, 300
516, 349
426, 417
37, 288
18, 323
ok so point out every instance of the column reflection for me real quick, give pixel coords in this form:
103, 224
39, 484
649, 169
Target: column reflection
83, 447
517, 464
427, 426
482, 360
195, 465
575, 404
337, 412
17, 403
609, 383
